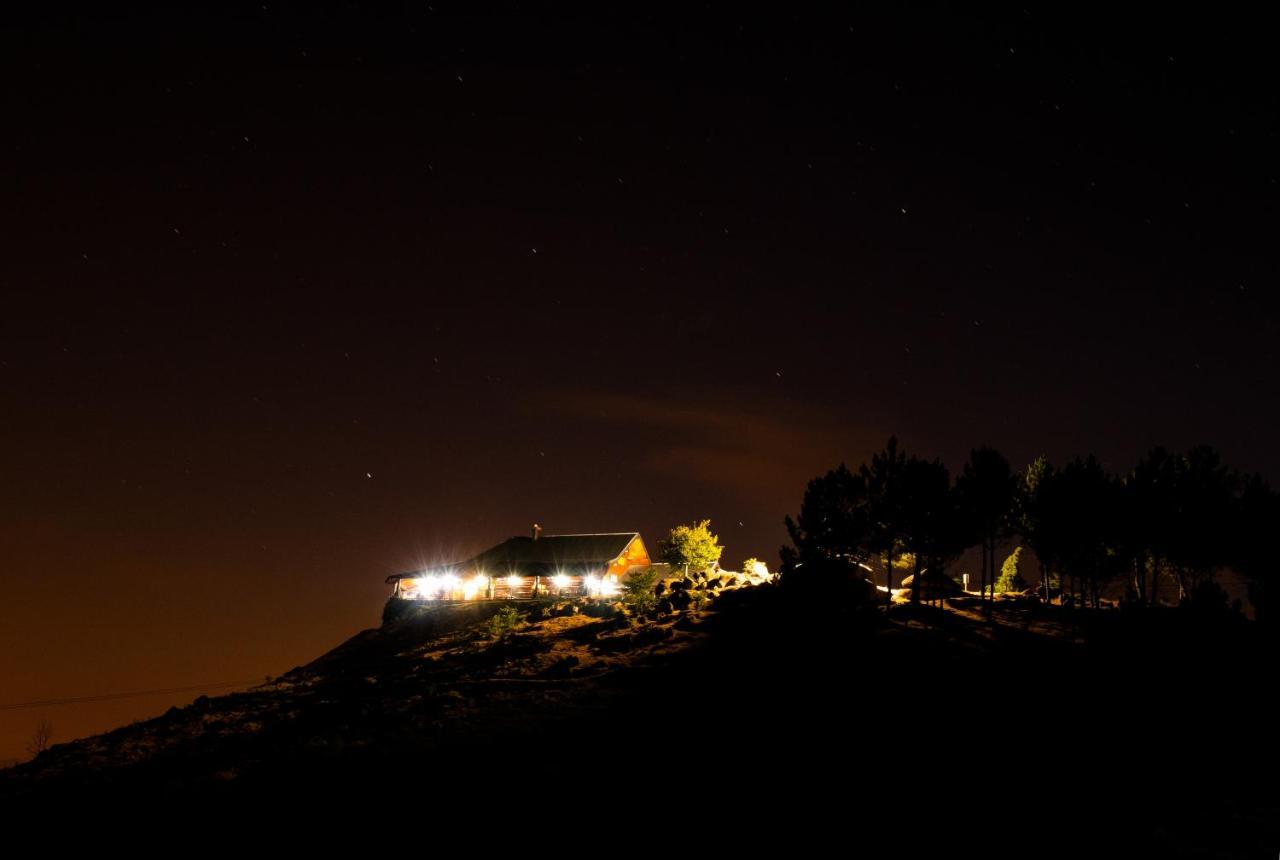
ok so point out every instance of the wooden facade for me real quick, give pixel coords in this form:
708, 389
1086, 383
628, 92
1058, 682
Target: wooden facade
522, 568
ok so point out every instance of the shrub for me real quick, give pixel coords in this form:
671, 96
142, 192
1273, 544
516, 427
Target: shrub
754, 571
638, 591
395, 609
504, 622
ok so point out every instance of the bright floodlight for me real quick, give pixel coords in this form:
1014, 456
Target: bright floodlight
561, 580
472, 587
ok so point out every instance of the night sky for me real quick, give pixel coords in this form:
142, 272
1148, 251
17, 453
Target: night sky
294, 298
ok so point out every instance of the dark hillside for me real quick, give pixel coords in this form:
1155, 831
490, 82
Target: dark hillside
839, 716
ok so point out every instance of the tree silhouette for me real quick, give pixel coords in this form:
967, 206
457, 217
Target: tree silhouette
987, 487
830, 539
1088, 517
833, 523
1037, 518
1257, 523
885, 483
1147, 508
41, 737
927, 518
1173, 517
1204, 491
1176, 520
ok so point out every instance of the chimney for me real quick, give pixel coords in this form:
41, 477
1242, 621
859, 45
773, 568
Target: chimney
537, 530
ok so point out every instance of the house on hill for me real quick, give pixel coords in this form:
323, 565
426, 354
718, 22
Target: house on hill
534, 566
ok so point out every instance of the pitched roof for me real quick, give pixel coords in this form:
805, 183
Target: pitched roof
545, 554
566, 550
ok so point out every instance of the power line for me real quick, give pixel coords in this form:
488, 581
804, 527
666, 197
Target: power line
105, 697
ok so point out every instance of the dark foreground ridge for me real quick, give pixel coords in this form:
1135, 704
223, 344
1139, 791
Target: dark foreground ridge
1124, 730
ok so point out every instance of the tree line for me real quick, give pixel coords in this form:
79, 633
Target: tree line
1164, 528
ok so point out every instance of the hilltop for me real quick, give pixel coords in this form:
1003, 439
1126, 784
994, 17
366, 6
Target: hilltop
761, 700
